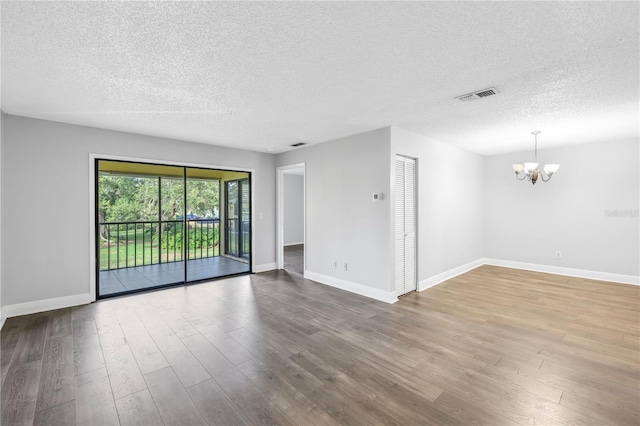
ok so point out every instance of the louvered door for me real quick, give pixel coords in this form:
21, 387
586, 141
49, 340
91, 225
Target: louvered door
405, 231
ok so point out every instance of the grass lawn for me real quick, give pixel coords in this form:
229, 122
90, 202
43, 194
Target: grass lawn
131, 254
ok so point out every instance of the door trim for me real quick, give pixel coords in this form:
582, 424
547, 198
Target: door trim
280, 172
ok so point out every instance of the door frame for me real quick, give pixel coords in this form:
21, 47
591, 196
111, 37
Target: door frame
280, 172
92, 203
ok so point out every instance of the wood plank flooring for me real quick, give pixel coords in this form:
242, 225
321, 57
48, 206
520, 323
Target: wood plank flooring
493, 346
294, 258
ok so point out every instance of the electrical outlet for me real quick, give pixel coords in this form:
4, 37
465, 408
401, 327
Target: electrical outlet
558, 255
345, 267
334, 264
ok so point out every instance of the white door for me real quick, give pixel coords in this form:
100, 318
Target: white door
405, 241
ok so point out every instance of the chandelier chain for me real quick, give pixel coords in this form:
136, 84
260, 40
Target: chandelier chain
535, 135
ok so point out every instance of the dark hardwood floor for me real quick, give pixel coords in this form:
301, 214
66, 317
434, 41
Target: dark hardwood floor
493, 346
294, 258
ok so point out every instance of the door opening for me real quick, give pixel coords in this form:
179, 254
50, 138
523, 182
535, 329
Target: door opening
292, 245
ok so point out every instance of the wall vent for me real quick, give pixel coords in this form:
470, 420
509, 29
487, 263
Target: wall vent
295, 145
478, 95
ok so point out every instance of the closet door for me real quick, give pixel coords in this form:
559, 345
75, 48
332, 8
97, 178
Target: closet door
405, 230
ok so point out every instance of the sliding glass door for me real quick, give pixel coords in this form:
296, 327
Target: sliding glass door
159, 225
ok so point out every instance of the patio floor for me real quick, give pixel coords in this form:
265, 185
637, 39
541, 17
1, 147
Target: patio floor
149, 276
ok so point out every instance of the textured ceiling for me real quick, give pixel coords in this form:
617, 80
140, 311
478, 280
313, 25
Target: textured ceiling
264, 75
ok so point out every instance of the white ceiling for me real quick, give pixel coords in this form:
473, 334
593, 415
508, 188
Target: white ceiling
265, 75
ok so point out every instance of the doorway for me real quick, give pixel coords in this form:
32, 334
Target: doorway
291, 218
162, 225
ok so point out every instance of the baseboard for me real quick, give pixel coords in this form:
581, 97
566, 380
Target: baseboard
444, 276
27, 308
362, 290
293, 244
265, 267
570, 272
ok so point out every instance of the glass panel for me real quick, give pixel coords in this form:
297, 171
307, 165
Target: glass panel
170, 252
134, 231
246, 218
238, 223
232, 218
203, 226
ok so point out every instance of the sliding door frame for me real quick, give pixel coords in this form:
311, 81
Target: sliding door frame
93, 193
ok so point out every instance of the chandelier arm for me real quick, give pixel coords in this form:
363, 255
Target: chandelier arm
543, 179
524, 176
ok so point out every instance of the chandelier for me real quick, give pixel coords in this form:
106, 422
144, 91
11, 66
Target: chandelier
530, 171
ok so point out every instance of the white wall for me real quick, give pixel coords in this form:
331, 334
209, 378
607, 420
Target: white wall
343, 223
450, 199
45, 200
469, 207
526, 223
293, 208
2, 318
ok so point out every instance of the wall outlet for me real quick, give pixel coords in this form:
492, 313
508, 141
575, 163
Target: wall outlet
334, 264
558, 255
345, 266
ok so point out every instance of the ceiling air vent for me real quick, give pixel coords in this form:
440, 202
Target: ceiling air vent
295, 145
478, 95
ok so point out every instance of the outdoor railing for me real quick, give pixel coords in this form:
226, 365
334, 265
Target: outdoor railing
238, 245
129, 244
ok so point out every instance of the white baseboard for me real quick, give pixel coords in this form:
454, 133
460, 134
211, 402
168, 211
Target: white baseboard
27, 308
570, 272
18, 309
293, 244
265, 267
557, 270
444, 276
362, 290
